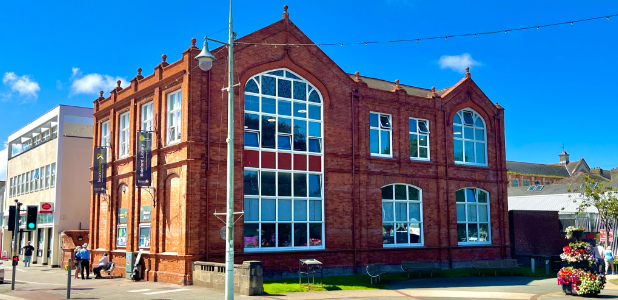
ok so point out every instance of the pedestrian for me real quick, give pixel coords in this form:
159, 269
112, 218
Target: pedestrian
600, 253
84, 255
103, 261
28, 254
77, 261
609, 261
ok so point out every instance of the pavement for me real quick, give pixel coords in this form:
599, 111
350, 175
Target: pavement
42, 283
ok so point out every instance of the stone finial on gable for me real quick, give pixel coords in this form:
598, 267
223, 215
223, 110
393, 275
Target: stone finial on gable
101, 95
433, 93
498, 106
285, 12
357, 76
163, 58
397, 87
468, 72
193, 41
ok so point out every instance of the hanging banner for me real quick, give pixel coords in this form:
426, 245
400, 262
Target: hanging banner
604, 233
123, 215
99, 168
143, 158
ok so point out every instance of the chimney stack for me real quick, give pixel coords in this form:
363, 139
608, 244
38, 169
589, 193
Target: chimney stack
614, 173
597, 171
564, 158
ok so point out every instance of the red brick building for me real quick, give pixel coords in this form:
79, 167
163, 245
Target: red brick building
346, 169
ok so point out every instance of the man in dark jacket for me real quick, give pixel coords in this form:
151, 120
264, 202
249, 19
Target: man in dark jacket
28, 254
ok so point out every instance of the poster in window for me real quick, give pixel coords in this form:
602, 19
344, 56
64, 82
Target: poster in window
121, 240
99, 167
144, 237
144, 155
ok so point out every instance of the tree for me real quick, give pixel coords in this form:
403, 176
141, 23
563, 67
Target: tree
603, 197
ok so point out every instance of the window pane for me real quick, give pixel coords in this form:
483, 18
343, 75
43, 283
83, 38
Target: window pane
285, 210
315, 234
285, 125
457, 131
144, 237
467, 117
285, 108
290, 75
387, 211
278, 73
315, 210
461, 233
400, 192
388, 234
387, 192
468, 133
252, 210
314, 112
374, 140
412, 125
251, 86
300, 109
268, 85
300, 234
415, 233
423, 140
315, 129
373, 120
471, 212
252, 121
268, 105
482, 213
385, 121
268, 235
480, 153
470, 195
268, 184
483, 233
285, 88
461, 213
268, 209
314, 97
460, 195
473, 233
413, 145
300, 90
456, 119
423, 153
268, 132
415, 212
458, 150
401, 233
315, 186
315, 145
469, 151
300, 185
251, 183
413, 193
479, 134
251, 235
401, 212
285, 184
386, 142
285, 142
482, 196
422, 126
285, 235
479, 122
300, 135
252, 103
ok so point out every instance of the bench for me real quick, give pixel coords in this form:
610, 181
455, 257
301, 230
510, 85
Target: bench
109, 270
418, 266
495, 264
374, 271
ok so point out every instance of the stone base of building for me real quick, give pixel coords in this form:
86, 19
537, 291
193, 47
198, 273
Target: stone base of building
248, 277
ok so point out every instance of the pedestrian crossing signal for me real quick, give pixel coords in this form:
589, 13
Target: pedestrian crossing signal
15, 260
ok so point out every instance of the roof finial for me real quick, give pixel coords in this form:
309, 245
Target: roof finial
193, 41
139, 71
396, 87
101, 94
285, 12
467, 72
118, 82
357, 76
433, 92
163, 57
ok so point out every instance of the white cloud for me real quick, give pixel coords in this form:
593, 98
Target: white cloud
93, 83
21, 84
457, 63
3, 161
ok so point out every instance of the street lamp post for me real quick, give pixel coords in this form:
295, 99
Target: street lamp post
205, 59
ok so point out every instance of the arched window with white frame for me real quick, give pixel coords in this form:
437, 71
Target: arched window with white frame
469, 138
473, 216
402, 215
283, 163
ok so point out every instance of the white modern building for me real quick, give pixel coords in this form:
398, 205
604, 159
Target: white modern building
49, 166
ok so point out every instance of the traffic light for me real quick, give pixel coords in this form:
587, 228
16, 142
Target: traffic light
11, 218
31, 217
15, 260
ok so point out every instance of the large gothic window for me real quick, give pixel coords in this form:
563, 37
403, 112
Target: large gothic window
473, 216
283, 163
402, 215
469, 138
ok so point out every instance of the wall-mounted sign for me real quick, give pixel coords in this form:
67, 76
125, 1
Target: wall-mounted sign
604, 233
99, 167
123, 214
46, 207
143, 158
144, 213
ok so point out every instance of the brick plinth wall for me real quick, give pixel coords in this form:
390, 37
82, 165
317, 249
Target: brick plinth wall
536, 233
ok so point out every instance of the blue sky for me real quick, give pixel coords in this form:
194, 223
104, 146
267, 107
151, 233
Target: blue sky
555, 83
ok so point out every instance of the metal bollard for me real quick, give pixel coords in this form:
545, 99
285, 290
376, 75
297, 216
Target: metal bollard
69, 269
547, 267
532, 264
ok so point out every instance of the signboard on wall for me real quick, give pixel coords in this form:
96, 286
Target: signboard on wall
144, 213
123, 215
604, 233
46, 207
143, 158
99, 167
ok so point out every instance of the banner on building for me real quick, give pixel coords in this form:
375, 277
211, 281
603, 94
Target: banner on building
99, 168
604, 232
143, 158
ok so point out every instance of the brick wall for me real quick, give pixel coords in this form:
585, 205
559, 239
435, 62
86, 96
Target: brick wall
528, 240
189, 177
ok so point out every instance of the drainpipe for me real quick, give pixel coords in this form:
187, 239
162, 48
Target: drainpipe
353, 95
448, 210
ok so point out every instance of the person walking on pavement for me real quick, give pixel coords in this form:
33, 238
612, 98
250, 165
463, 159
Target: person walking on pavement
84, 254
609, 261
77, 261
28, 254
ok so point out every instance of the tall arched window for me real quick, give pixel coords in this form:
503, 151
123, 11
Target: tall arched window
469, 137
473, 221
515, 183
283, 163
526, 182
402, 215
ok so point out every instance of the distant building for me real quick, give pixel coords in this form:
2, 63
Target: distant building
528, 174
48, 166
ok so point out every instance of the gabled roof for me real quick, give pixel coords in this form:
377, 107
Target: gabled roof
574, 165
384, 85
538, 169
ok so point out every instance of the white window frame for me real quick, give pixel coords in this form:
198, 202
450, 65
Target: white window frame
23, 184
475, 141
53, 175
139, 234
309, 90
42, 178
126, 235
32, 180
47, 175
418, 133
174, 117
394, 222
11, 187
147, 116
380, 129
465, 204
104, 134
123, 138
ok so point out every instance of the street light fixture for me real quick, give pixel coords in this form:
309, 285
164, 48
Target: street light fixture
205, 58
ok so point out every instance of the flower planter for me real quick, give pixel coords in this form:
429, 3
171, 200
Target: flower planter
577, 234
567, 289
